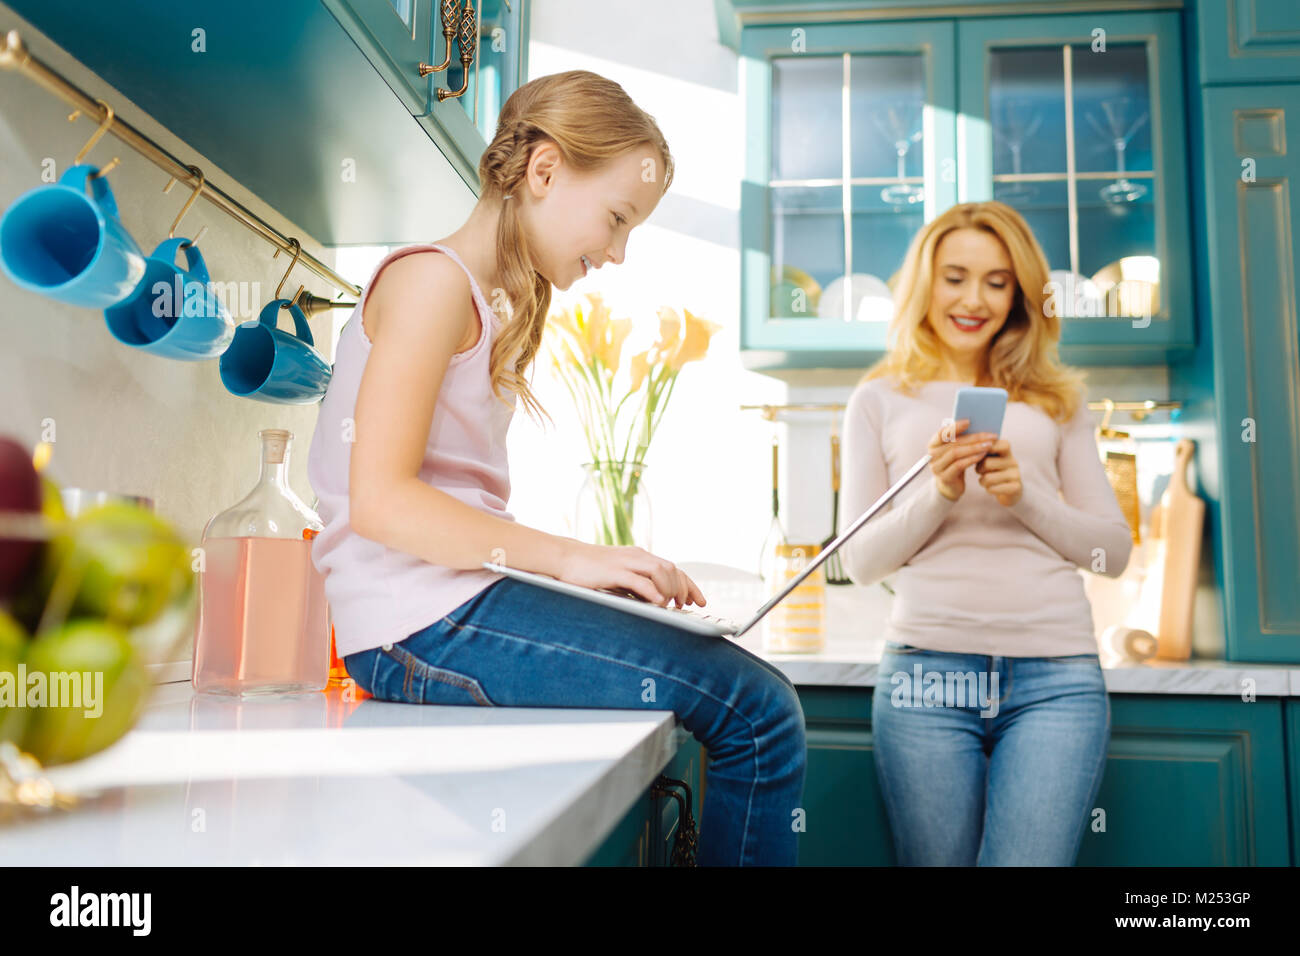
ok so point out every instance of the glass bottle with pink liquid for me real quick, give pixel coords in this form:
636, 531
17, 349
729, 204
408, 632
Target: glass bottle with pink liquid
263, 621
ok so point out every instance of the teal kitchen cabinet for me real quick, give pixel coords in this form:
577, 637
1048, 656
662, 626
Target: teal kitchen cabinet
1078, 122
405, 40
1249, 41
397, 36
850, 146
846, 823
645, 834
1252, 175
1189, 781
1292, 734
316, 106
858, 133
1192, 781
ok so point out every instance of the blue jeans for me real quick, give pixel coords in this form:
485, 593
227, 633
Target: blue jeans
998, 764
517, 645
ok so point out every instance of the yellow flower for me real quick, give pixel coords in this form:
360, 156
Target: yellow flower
610, 351
594, 336
683, 341
670, 331
639, 368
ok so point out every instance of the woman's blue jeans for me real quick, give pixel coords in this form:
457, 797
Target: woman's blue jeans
999, 764
517, 645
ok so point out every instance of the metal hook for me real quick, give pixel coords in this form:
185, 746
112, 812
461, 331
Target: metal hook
171, 233
95, 137
297, 251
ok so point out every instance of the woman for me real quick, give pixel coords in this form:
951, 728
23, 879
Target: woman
990, 715
409, 462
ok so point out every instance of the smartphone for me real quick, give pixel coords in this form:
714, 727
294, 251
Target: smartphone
985, 407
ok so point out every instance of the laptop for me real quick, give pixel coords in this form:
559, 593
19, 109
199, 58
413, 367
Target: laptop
692, 618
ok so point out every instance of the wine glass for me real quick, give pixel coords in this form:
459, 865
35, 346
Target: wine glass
1120, 132
899, 122
1020, 120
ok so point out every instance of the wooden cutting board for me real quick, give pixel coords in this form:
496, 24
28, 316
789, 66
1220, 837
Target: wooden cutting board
1176, 525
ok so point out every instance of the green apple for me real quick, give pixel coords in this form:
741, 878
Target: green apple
107, 664
13, 647
121, 561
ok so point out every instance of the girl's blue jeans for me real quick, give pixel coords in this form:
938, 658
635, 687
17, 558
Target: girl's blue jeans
517, 645
999, 764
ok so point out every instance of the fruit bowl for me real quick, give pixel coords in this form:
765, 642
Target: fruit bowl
106, 593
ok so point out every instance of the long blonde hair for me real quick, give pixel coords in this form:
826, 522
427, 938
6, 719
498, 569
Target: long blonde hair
1023, 356
591, 120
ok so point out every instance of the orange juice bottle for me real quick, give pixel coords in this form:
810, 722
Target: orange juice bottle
337, 669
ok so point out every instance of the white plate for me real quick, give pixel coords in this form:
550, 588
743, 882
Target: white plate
872, 300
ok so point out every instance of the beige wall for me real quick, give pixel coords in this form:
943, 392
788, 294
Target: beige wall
125, 420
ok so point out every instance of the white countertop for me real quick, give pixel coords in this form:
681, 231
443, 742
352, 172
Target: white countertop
855, 619
317, 779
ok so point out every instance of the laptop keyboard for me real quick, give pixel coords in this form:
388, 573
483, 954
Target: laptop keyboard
692, 611
696, 612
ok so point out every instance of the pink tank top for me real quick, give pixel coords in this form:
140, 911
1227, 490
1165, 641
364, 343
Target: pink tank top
379, 595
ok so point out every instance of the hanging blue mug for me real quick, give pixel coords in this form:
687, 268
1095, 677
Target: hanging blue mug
173, 312
60, 242
270, 365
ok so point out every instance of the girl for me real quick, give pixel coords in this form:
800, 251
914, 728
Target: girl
409, 462
990, 715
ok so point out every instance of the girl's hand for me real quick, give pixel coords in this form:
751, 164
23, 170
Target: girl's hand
627, 566
951, 456
1000, 474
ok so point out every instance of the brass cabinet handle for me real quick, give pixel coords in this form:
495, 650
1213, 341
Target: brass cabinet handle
447, 16
462, 28
468, 48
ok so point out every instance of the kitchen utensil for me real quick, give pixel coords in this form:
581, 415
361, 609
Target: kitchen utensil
834, 566
62, 243
173, 312
775, 533
270, 365
1181, 518
1121, 469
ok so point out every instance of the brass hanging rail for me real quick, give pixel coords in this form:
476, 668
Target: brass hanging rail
1139, 410
15, 56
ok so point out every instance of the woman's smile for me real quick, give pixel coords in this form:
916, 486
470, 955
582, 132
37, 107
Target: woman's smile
967, 323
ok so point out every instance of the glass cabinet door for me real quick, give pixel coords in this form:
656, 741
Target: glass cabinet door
851, 149
1076, 122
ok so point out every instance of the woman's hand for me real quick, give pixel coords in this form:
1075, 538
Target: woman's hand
1000, 473
951, 456
627, 566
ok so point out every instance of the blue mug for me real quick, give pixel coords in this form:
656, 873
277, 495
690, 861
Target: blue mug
173, 312
271, 365
60, 242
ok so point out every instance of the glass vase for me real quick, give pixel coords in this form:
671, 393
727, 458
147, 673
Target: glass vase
613, 504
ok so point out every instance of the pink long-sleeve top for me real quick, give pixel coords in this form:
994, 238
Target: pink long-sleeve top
974, 576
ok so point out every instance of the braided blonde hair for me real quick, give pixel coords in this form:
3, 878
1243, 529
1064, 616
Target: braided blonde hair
591, 120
